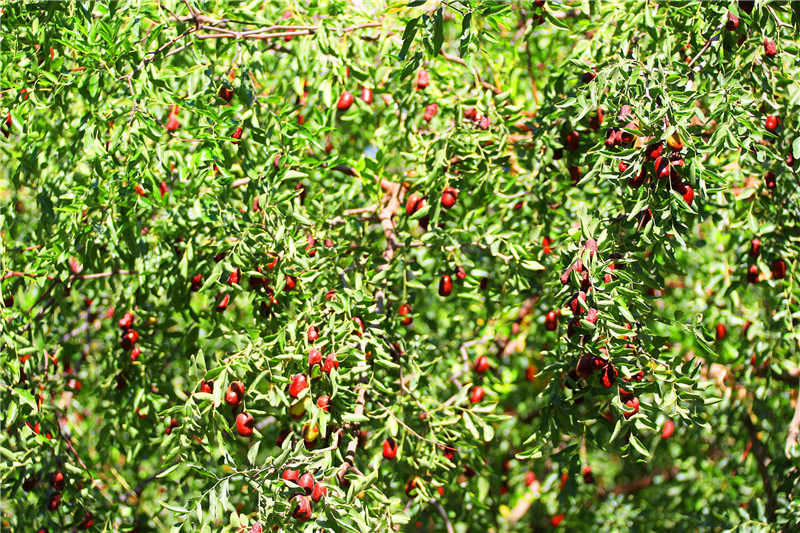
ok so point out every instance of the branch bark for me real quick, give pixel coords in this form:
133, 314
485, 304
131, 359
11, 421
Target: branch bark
760, 453
794, 429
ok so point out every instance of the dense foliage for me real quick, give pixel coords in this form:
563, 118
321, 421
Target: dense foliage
453, 265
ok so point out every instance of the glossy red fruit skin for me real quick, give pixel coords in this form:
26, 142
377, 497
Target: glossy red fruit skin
596, 120
55, 501
197, 282
477, 394
126, 321
662, 167
234, 394
389, 449
722, 331
575, 174
669, 429
551, 321
752, 274
312, 334
172, 123
223, 302
588, 477
298, 384
330, 363
755, 247
449, 197
306, 482
345, 101
314, 357
688, 195
654, 150
481, 364
423, 80
778, 269
318, 492
484, 123
445, 286
431, 110
244, 424
732, 22
129, 339
771, 123
572, 141
556, 520
302, 508
769, 180
226, 93
323, 402
633, 405
770, 48
405, 310
470, 113
290, 475
366, 95
87, 522
207, 386
608, 375
461, 274
135, 353
414, 203
57, 480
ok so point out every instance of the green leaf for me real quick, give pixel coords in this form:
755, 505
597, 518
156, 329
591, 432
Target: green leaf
408, 36
637, 444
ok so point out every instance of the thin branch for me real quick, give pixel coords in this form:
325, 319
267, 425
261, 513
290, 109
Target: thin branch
714, 37
448, 526
360, 210
794, 429
395, 192
68, 442
524, 503
350, 453
478, 80
396, 419
762, 459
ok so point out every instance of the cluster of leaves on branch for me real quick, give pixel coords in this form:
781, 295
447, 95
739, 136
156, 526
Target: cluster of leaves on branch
441, 265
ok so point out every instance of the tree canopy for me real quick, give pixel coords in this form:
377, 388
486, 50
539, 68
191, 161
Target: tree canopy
443, 265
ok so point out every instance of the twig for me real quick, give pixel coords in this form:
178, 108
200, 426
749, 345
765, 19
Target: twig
762, 459
13, 274
68, 442
794, 429
478, 80
395, 192
350, 453
442, 512
714, 37
390, 413
273, 32
524, 503
360, 210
